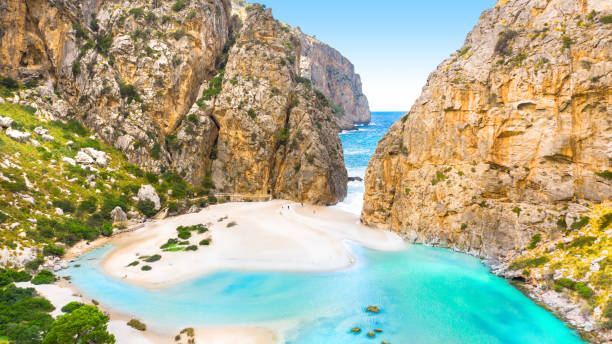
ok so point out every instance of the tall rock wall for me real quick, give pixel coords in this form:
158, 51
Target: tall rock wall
167, 83
334, 75
508, 133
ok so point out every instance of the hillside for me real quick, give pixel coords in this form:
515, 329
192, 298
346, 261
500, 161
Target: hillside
183, 86
60, 184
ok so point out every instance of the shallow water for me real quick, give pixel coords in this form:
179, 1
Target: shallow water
427, 295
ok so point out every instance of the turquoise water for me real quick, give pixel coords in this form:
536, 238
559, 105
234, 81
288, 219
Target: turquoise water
358, 147
426, 295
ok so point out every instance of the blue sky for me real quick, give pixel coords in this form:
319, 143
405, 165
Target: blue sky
394, 44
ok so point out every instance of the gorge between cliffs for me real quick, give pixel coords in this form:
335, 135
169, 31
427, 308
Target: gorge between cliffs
178, 171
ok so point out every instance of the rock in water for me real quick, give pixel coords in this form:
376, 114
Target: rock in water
507, 130
118, 215
148, 193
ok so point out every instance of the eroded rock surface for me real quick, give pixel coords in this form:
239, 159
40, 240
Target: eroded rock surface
507, 132
151, 79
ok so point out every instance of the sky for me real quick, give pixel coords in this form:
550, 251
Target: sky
394, 44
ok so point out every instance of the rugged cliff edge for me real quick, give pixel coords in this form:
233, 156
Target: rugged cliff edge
510, 140
182, 86
334, 75
330, 73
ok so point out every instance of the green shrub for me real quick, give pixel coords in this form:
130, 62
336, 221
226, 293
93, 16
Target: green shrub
606, 19
504, 43
582, 241
607, 313
153, 258
605, 174
191, 248
134, 263
529, 263
170, 243
439, 177
44, 277
9, 276
184, 235
33, 265
53, 250
517, 211
103, 44
565, 282
583, 290
204, 242
136, 12
146, 207
535, 240
146, 268
76, 68
214, 87
231, 224
581, 223
212, 199
567, 42
137, 325
85, 324
65, 205
177, 6
88, 206
156, 151
9, 83
605, 221
107, 229
71, 306
129, 91
252, 113
23, 315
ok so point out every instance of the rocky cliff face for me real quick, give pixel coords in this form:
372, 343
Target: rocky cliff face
334, 75
510, 134
509, 128
149, 77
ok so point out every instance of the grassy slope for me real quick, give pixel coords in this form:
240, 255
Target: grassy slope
53, 180
572, 256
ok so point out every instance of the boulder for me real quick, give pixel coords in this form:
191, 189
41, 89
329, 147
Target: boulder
118, 215
99, 157
6, 122
147, 192
41, 131
68, 160
84, 159
47, 137
17, 135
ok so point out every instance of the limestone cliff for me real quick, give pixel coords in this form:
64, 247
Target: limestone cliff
510, 134
509, 128
334, 75
330, 73
149, 77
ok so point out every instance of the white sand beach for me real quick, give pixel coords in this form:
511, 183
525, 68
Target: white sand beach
276, 235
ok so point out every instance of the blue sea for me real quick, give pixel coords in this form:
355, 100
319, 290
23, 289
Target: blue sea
426, 295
